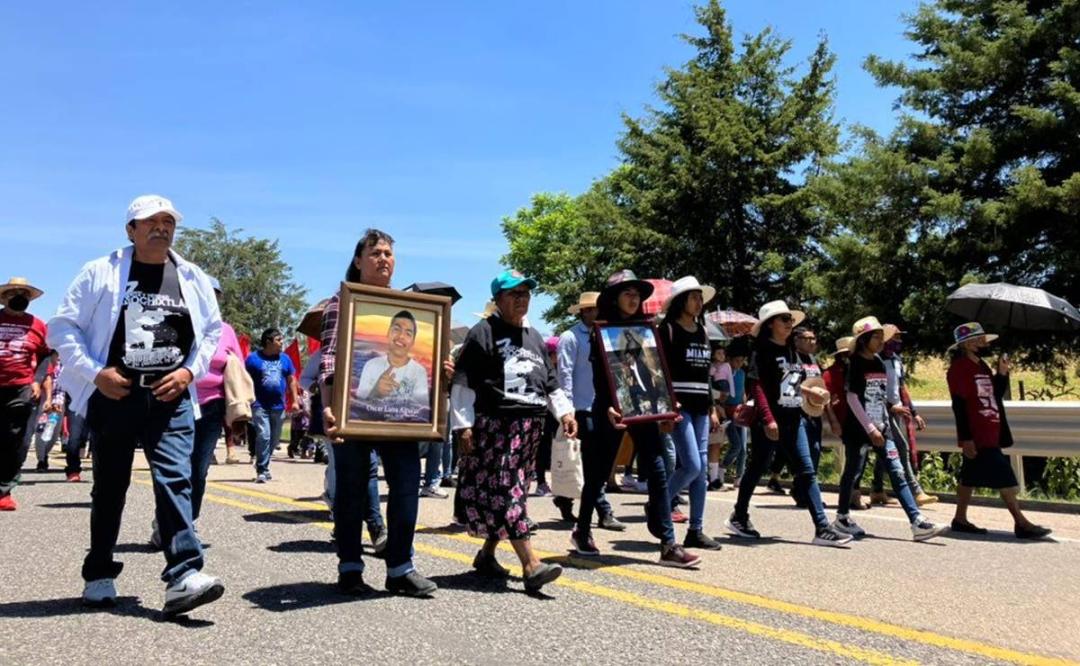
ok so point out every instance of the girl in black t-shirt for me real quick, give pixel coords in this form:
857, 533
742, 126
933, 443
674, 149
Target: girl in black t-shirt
687, 350
774, 383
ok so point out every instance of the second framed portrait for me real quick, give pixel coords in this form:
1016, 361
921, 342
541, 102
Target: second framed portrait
637, 373
391, 347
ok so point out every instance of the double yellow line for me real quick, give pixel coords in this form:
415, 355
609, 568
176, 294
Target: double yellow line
688, 612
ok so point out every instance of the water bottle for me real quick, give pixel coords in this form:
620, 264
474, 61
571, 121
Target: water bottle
50, 426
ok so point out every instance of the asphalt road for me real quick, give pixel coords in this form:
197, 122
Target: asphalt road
886, 600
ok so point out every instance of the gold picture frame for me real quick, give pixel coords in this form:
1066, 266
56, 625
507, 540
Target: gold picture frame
388, 383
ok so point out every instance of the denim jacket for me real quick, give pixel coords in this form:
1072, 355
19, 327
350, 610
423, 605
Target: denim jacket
82, 329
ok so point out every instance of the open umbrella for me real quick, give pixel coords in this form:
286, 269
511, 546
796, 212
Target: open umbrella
436, 289
1003, 305
311, 324
733, 323
654, 303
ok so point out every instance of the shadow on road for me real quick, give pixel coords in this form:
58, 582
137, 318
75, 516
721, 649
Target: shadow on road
65, 505
997, 537
295, 516
303, 546
136, 548
125, 607
300, 596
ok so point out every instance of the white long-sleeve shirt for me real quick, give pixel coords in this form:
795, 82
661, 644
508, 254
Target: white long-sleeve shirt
82, 329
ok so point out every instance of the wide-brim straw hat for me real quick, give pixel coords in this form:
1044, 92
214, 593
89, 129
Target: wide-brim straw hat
688, 284
815, 396
586, 300
866, 326
775, 309
970, 331
843, 345
20, 284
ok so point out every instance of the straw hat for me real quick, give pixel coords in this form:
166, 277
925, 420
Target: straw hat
815, 396
774, 309
686, 284
585, 300
20, 283
866, 326
489, 309
843, 345
970, 331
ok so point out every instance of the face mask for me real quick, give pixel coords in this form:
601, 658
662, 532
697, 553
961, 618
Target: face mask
18, 303
984, 352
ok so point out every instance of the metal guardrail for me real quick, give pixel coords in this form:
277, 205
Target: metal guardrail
1050, 429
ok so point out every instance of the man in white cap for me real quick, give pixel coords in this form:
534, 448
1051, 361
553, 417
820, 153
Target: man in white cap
22, 348
134, 331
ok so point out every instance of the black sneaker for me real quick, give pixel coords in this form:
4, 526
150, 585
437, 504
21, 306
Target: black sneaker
698, 539
489, 567
352, 583
967, 528
565, 505
716, 484
610, 522
1035, 532
741, 527
411, 584
544, 574
42, 466
774, 486
586, 547
827, 536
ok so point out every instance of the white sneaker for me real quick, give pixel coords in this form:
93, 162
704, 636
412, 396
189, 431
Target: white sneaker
923, 529
193, 591
846, 525
100, 592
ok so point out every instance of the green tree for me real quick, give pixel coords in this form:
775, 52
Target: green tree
981, 178
718, 168
258, 291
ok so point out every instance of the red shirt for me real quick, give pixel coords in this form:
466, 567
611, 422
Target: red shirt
22, 347
974, 384
834, 382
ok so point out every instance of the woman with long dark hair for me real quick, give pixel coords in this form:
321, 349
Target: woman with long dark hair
620, 301
687, 350
775, 377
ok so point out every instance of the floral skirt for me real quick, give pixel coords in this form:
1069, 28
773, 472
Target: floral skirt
493, 478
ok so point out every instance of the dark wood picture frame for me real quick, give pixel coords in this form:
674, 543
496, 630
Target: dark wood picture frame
353, 298
666, 411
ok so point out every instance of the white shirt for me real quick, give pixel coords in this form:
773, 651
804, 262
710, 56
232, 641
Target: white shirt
412, 381
82, 329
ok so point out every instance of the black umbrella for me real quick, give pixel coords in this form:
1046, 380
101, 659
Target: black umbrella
1003, 305
436, 289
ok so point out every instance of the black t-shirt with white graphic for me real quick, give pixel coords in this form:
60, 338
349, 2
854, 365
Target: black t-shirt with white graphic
154, 333
688, 359
866, 378
780, 373
508, 367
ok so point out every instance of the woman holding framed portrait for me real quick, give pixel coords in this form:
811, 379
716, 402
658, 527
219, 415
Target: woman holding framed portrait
504, 385
632, 395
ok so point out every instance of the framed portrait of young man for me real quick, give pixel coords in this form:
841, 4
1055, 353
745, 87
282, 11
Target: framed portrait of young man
637, 372
391, 347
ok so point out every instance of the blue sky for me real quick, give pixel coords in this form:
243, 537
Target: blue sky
309, 122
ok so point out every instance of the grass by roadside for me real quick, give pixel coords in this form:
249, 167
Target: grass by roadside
926, 380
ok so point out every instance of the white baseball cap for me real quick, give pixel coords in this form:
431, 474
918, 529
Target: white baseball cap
151, 204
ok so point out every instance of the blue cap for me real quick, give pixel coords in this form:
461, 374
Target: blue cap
214, 283
509, 279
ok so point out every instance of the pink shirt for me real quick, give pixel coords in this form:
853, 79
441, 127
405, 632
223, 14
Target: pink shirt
211, 386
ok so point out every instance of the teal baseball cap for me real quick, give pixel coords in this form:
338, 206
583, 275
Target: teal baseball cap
509, 279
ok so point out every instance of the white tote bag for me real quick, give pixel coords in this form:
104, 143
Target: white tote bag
567, 477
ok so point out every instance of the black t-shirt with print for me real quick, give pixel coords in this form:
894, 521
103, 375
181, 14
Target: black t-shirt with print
154, 333
688, 359
778, 371
866, 378
508, 367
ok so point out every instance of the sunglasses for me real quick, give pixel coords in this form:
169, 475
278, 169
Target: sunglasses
786, 318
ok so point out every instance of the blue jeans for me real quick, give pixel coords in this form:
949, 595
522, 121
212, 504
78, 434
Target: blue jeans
855, 454
267, 435
207, 431
372, 511
166, 431
433, 460
736, 452
796, 445
692, 450
354, 475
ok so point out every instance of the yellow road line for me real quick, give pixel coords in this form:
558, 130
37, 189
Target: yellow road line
843, 619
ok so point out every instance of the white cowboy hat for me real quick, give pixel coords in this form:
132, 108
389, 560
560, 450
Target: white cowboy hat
585, 300
970, 331
843, 345
20, 284
773, 309
686, 284
868, 325
815, 396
